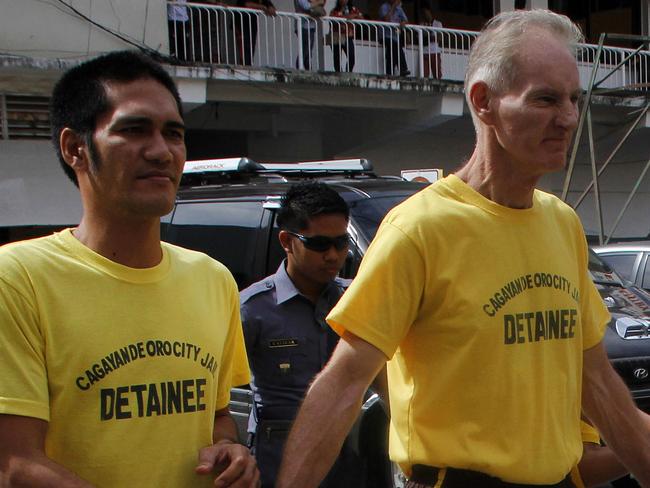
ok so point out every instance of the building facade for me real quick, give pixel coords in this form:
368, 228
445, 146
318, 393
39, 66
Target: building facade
251, 87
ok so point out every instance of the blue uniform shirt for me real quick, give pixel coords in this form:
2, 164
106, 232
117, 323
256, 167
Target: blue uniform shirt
287, 340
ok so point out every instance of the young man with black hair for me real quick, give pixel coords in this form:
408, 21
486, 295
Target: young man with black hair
287, 339
119, 351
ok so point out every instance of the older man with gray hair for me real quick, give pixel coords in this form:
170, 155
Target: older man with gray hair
477, 292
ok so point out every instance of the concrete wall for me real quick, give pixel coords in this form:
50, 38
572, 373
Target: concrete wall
33, 188
50, 29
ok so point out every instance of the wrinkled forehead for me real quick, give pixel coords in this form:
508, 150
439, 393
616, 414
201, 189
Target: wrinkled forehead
543, 56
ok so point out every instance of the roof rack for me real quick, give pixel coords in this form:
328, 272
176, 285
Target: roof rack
242, 165
230, 170
346, 165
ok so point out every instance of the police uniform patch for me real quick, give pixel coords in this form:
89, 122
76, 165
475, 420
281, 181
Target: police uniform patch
275, 343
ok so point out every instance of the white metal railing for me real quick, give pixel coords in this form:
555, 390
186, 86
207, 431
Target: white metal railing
247, 37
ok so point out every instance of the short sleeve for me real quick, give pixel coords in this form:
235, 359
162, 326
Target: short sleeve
234, 370
595, 316
593, 311
383, 10
304, 5
250, 327
393, 264
23, 382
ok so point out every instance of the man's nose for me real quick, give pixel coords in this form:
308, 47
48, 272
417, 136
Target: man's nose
331, 254
568, 116
158, 149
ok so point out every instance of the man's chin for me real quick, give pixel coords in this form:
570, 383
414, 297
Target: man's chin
152, 208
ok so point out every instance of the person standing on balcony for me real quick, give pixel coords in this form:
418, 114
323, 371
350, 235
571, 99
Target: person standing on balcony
342, 33
118, 350
477, 291
178, 25
315, 9
287, 339
392, 11
208, 25
431, 55
246, 28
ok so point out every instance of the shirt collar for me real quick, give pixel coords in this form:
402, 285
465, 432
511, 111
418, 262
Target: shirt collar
286, 290
284, 287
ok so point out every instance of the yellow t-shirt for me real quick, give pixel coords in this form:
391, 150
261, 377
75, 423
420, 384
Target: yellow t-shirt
485, 312
127, 365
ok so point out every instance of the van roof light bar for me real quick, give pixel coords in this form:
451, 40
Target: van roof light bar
240, 165
347, 165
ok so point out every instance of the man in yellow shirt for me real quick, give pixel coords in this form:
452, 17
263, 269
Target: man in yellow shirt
476, 290
119, 351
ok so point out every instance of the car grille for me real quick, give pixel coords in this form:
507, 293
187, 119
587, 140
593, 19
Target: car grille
634, 371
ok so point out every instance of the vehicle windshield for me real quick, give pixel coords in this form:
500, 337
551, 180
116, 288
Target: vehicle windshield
369, 212
601, 272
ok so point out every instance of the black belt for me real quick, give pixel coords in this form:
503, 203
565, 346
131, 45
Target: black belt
277, 412
428, 475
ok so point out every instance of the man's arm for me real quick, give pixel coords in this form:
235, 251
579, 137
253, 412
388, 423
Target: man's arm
599, 465
22, 456
230, 461
607, 403
330, 407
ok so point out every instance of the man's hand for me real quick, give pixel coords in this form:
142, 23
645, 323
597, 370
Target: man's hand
232, 463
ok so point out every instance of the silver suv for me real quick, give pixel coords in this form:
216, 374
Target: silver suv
630, 260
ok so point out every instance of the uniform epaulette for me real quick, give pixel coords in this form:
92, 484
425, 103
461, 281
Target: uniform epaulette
262, 286
343, 282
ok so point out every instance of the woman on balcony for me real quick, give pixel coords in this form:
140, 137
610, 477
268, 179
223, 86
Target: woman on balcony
342, 33
392, 11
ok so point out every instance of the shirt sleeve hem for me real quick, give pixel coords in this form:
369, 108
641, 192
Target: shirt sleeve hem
24, 408
596, 338
361, 331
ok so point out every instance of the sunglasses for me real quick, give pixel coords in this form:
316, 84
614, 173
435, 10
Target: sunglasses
323, 243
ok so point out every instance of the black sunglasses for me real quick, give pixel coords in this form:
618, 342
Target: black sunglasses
323, 243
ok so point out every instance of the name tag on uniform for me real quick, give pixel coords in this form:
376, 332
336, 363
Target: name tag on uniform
275, 343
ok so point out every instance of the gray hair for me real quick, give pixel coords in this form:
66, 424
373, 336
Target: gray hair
492, 59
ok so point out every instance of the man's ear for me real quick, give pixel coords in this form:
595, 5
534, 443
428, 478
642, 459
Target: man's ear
482, 99
285, 241
74, 150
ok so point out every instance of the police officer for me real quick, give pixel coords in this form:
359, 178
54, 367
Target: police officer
287, 338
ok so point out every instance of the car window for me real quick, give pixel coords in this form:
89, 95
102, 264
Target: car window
224, 230
646, 275
622, 263
601, 272
368, 213
276, 253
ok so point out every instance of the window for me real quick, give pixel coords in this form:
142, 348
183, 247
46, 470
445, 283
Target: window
227, 231
623, 264
24, 117
646, 275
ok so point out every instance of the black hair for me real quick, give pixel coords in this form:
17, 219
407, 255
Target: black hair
306, 200
350, 4
79, 97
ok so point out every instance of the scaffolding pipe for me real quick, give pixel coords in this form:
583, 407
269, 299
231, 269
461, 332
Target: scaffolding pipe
611, 156
594, 175
616, 68
629, 200
576, 142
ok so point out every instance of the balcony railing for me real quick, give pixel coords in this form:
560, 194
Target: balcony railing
250, 38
